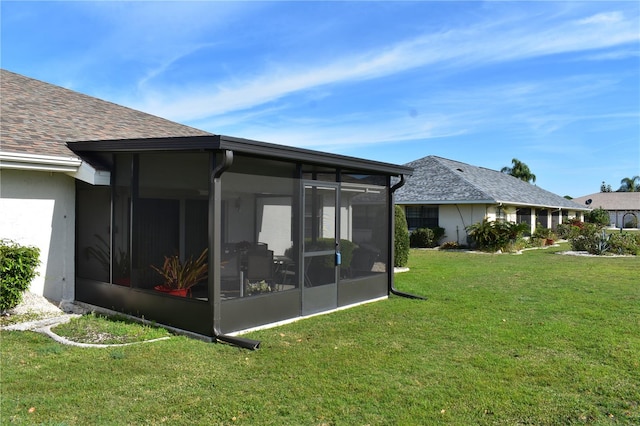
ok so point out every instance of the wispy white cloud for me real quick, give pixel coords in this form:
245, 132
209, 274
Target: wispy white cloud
456, 49
602, 18
527, 109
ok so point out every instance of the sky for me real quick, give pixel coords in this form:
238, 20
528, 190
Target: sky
555, 84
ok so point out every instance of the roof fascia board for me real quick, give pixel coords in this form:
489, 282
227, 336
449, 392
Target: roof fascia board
244, 146
504, 203
439, 202
542, 206
42, 163
310, 156
183, 143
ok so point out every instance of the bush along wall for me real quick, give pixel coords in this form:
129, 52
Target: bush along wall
426, 237
17, 269
496, 235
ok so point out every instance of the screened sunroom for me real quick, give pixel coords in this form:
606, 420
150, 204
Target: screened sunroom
263, 233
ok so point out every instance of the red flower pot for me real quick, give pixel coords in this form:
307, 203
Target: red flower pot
181, 292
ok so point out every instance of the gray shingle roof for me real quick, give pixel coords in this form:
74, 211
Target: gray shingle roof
611, 200
39, 118
437, 180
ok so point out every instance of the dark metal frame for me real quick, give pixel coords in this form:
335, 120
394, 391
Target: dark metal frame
222, 150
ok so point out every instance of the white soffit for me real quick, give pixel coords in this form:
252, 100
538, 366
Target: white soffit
88, 174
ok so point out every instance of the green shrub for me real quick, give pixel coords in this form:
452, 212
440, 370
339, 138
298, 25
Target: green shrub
594, 239
598, 216
426, 237
498, 235
17, 269
563, 230
625, 243
401, 239
543, 233
585, 238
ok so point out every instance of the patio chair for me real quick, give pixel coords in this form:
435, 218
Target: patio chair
260, 266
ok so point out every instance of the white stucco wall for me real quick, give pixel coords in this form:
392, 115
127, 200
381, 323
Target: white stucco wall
455, 218
38, 209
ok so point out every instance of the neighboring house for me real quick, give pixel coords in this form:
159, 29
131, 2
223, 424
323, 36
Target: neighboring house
623, 207
106, 192
453, 195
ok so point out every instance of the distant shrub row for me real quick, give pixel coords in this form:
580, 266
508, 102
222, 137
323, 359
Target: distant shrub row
594, 239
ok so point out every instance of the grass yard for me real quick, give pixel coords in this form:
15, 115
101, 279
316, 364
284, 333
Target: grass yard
536, 338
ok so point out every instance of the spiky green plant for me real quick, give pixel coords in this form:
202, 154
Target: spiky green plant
183, 275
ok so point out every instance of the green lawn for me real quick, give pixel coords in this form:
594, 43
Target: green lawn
536, 338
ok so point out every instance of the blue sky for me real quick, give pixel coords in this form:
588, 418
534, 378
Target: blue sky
553, 84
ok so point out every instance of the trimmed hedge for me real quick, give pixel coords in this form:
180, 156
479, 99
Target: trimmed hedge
17, 269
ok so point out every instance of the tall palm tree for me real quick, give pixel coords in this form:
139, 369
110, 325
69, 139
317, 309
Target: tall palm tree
631, 184
520, 171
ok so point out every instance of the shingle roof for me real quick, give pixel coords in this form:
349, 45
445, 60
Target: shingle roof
39, 118
438, 180
611, 200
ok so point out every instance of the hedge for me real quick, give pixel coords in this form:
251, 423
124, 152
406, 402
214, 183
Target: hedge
401, 239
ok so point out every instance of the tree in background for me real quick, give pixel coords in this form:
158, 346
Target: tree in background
520, 171
630, 184
598, 216
605, 188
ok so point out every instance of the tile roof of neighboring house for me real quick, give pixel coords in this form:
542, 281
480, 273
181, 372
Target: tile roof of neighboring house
437, 180
611, 200
39, 118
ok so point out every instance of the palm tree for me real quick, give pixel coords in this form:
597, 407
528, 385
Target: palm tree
520, 171
631, 184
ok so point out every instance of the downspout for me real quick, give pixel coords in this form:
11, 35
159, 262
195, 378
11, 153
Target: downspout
215, 225
392, 230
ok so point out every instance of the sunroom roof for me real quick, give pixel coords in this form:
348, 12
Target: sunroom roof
238, 145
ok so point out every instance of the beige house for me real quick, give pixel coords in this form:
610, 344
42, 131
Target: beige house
623, 207
453, 195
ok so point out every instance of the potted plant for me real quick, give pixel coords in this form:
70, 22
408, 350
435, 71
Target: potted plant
180, 276
544, 235
257, 287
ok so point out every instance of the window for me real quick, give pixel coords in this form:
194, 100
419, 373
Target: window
523, 216
422, 217
543, 218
